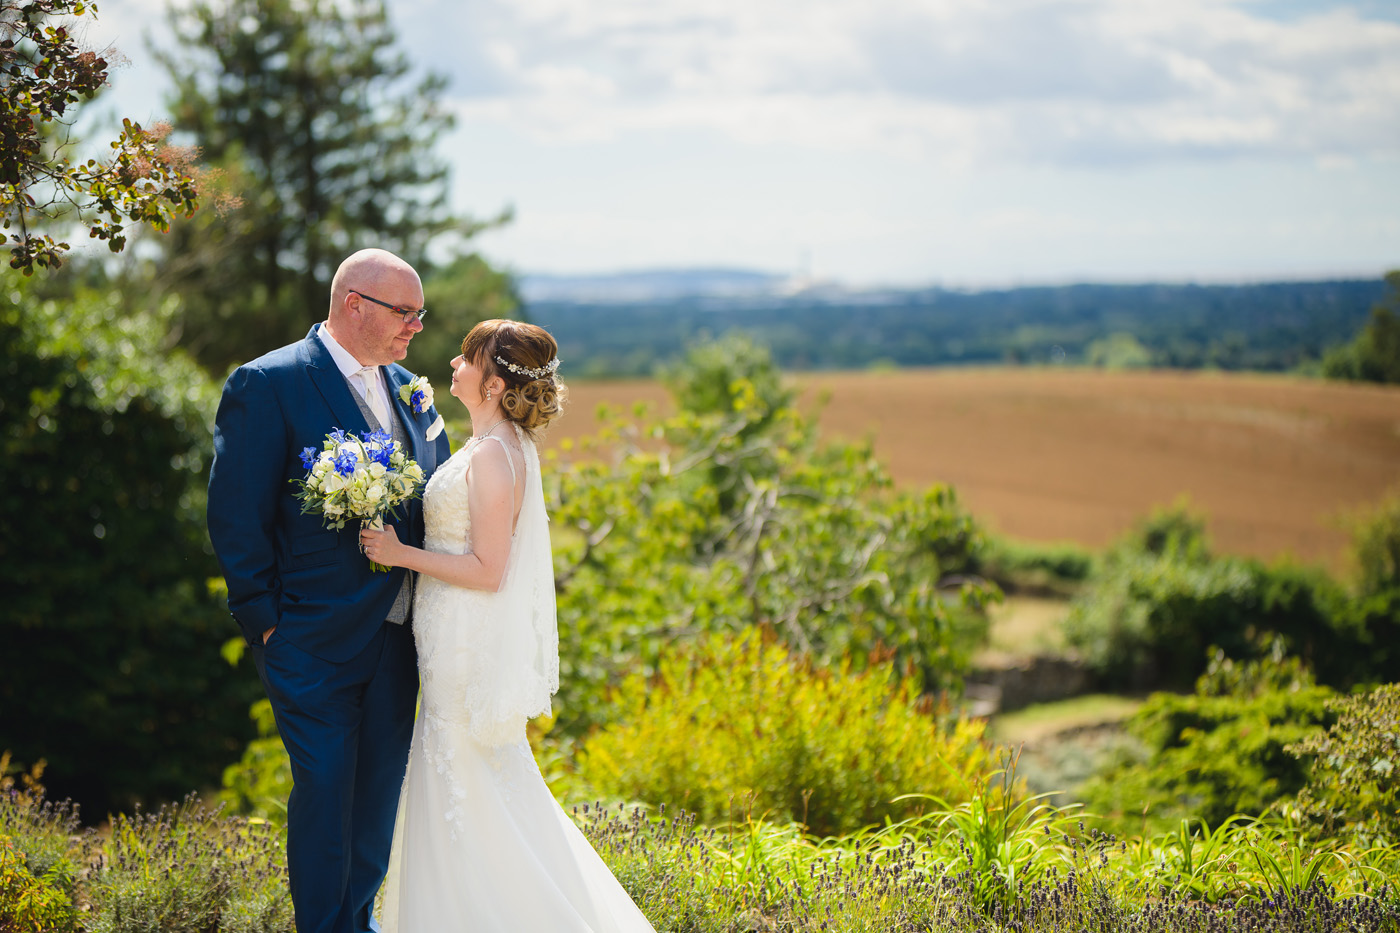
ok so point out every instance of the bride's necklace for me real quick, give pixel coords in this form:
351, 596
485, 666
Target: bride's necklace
478, 438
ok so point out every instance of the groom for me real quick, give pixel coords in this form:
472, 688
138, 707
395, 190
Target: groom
330, 639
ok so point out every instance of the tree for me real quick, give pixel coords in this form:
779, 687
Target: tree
1375, 354
44, 73
111, 667
1118, 351
732, 514
311, 110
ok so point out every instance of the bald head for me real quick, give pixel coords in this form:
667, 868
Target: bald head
373, 333
365, 270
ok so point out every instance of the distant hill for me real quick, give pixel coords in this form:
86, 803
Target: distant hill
649, 285
626, 324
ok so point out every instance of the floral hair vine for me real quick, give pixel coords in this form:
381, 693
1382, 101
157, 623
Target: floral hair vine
545, 370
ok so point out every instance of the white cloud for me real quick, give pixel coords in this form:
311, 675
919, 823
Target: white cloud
970, 141
1021, 81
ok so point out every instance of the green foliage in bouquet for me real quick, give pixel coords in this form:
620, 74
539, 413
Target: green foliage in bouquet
1161, 599
1217, 752
732, 514
1353, 790
111, 631
740, 725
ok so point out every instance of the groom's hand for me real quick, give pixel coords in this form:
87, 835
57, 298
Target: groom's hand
268, 634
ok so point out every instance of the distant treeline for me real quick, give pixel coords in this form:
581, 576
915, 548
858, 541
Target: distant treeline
1278, 326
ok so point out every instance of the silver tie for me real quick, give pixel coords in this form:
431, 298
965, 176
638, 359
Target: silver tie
369, 378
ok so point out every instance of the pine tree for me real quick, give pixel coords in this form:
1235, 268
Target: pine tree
329, 142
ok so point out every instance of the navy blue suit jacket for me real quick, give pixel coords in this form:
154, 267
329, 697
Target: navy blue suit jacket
285, 568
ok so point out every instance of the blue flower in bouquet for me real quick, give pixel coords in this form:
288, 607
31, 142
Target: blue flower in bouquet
345, 462
357, 477
381, 447
418, 394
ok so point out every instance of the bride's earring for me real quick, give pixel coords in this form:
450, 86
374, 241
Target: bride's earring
488, 395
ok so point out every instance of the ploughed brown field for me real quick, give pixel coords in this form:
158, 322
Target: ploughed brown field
1276, 463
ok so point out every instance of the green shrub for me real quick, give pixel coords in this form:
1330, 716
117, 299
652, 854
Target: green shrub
111, 634
31, 903
38, 866
1162, 599
259, 783
1354, 786
1370, 639
1371, 619
1148, 620
1218, 752
1177, 532
741, 726
1023, 566
1376, 548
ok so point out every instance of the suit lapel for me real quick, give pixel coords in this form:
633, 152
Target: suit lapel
331, 383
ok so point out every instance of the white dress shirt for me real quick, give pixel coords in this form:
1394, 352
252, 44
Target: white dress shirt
354, 373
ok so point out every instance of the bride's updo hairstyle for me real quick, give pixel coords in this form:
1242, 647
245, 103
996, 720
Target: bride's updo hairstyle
526, 357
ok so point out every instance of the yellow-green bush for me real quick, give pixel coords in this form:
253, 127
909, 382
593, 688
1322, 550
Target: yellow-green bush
30, 904
741, 726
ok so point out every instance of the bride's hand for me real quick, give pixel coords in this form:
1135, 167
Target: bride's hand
383, 547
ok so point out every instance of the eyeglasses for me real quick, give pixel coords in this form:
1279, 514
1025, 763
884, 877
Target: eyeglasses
407, 314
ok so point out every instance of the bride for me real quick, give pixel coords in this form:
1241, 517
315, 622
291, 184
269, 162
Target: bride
480, 843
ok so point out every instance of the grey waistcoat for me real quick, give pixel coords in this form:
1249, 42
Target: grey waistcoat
398, 614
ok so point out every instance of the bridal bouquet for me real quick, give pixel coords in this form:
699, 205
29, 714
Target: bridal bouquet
355, 477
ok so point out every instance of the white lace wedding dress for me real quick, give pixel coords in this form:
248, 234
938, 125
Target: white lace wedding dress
480, 843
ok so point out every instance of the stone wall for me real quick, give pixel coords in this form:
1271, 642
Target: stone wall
1019, 682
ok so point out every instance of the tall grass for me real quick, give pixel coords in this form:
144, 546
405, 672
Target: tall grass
983, 867
995, 863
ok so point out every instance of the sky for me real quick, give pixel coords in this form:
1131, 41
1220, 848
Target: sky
963, 143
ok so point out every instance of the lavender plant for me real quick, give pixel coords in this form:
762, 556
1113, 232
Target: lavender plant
187, 869
911, 877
